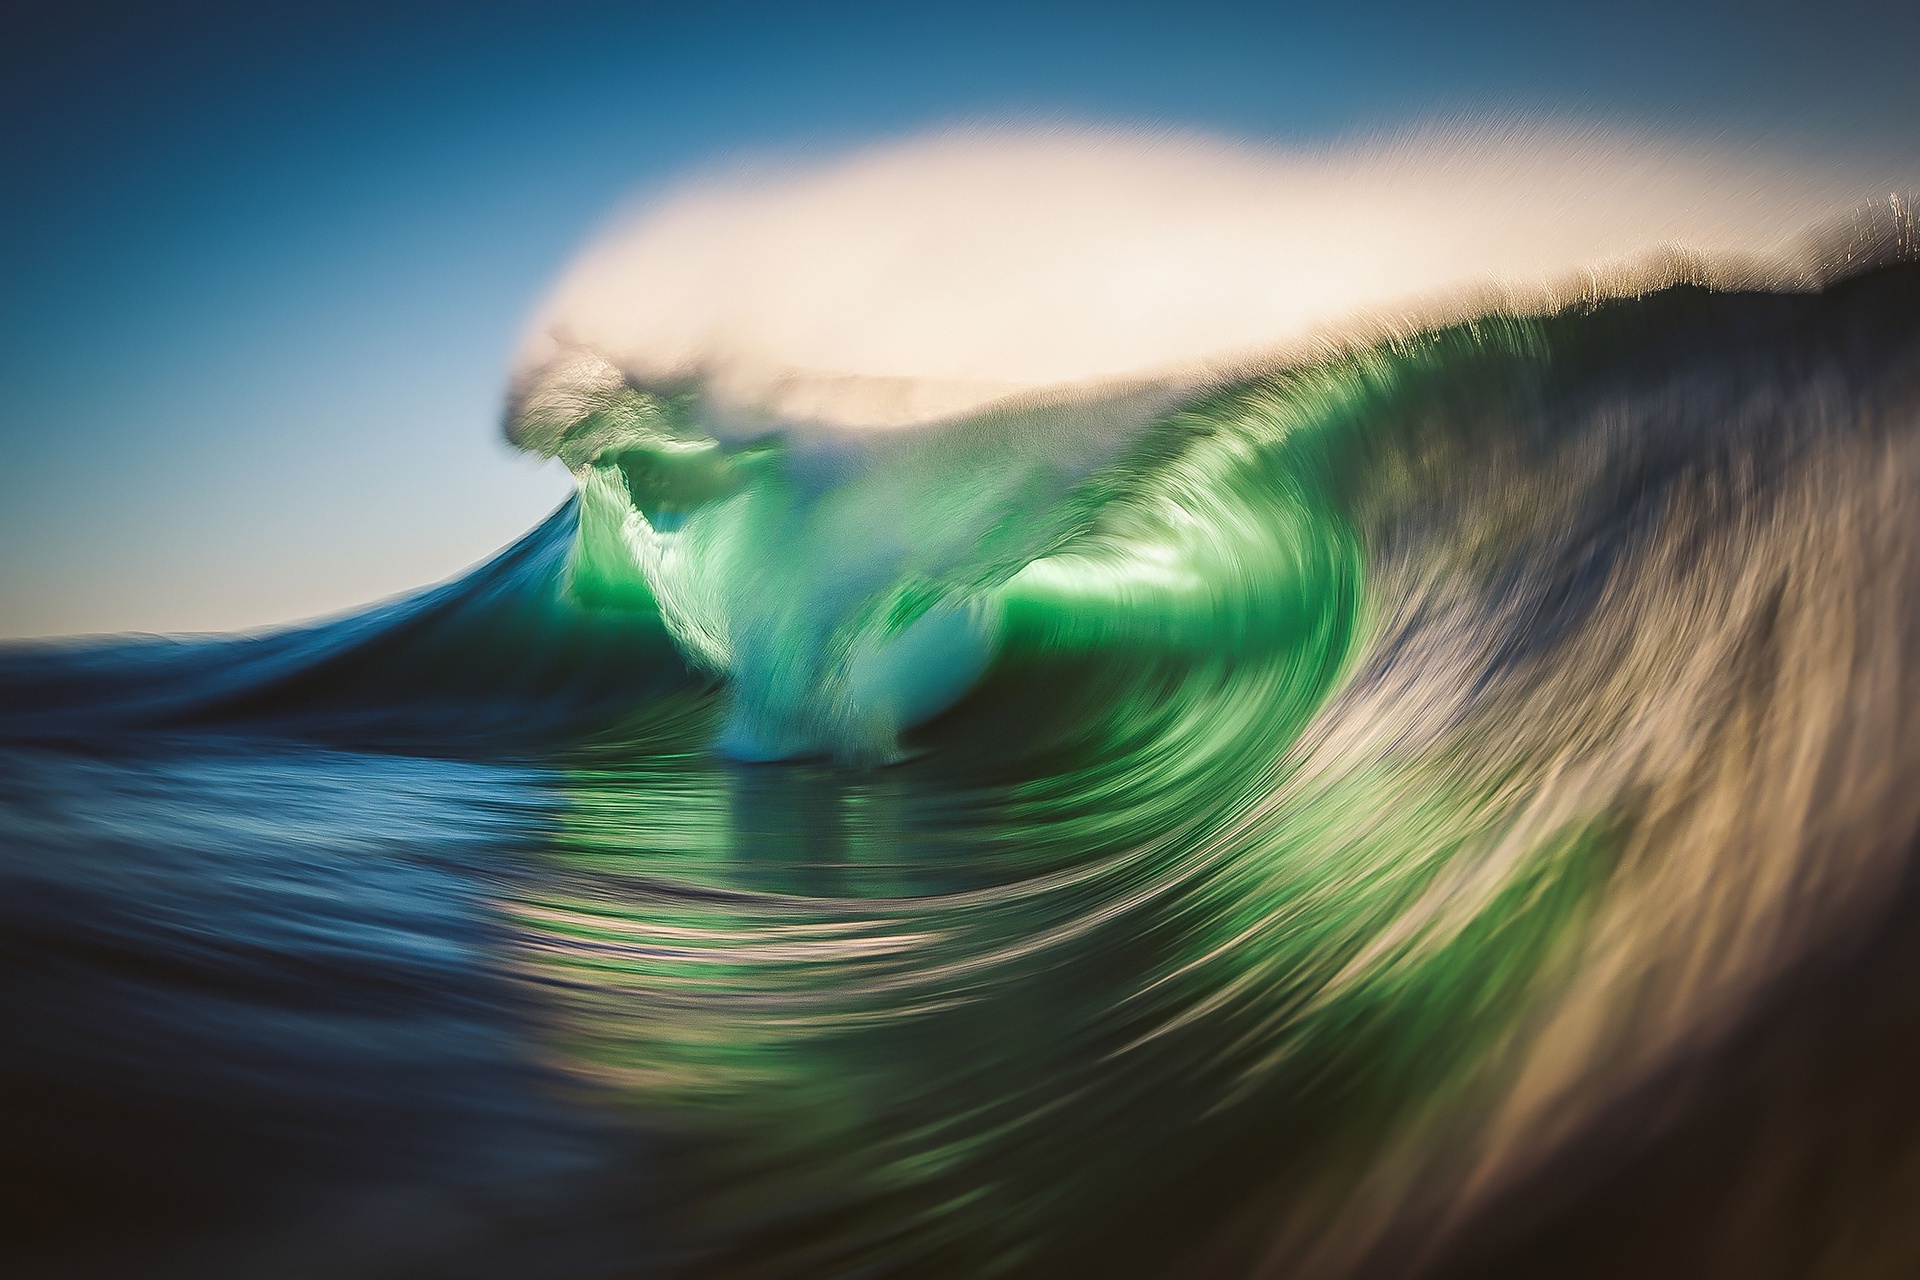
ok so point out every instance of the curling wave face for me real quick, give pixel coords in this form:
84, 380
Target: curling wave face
1389, 770
1339, 811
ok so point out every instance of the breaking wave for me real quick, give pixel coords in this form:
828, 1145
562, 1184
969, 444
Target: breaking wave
1342, 809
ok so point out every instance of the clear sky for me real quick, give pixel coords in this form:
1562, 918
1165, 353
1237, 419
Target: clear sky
262, 267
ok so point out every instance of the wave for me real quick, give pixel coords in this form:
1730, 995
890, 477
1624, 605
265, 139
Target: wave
1338, 812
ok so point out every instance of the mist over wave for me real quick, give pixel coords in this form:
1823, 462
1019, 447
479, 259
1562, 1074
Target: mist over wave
915, 280
1359, 720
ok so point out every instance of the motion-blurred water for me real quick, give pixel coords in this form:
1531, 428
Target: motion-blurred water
1448, 808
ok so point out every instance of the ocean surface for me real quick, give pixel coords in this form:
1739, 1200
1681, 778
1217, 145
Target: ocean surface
1447, 807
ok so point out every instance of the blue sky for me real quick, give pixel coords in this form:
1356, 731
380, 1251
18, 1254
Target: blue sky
263, 265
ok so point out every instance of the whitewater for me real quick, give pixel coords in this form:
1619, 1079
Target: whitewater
1105, 704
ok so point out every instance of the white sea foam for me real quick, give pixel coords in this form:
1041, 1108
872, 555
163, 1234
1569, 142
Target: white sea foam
917, 280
